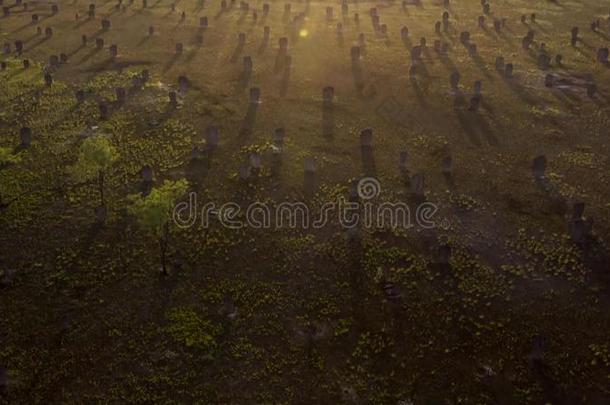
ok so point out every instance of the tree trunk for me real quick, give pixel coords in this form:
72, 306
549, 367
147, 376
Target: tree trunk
163, 242
101, 188
163, 257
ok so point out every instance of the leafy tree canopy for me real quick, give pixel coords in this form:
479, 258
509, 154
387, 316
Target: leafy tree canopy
7, 156
96, 154
155, 210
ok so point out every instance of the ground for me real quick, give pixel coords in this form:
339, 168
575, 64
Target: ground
519, 314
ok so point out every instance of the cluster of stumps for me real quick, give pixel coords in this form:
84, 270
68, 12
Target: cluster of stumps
284, 63
579, 226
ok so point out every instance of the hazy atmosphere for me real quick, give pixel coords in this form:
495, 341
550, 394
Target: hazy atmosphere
307, 202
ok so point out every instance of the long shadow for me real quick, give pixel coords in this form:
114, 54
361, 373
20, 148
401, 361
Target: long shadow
485, 129
489, 33
36, 44
75, 51
97, 33
141, 10
467, 127
248, 121
263, 47
276, 165
286, 17
519, 91
310, 184
31, 37
595, 256
170, 63
238, 50
481, 65
280, 62
532, 55
284, 82
176, 26
426, 53
243, 81
82, 22
506, 38
111, 63
487, 107
357, 76
145, 187
422, 71
540, 28
242, 17
144, 40
446, 60
419, 94
114, 10
564, 97
340, 40
556, 202
328, 120
368, 161
88, 56
263, 19
19, 29
191, 55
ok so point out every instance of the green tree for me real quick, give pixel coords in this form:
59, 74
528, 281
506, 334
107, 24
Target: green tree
154, 212
96, 155
7, 157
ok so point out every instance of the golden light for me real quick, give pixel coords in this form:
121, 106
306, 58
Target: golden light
303, 33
